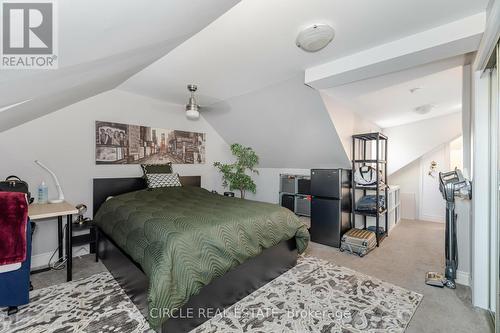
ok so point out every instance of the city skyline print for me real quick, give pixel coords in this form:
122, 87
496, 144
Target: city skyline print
118, 143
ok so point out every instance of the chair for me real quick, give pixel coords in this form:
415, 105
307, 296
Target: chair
15, 284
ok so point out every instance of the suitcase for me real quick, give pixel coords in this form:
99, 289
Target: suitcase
358, 241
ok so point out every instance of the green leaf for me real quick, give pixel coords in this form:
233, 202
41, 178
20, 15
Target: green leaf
234, 175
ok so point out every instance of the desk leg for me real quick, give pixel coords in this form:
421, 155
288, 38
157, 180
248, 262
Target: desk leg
96, 244
60, 236
69, 247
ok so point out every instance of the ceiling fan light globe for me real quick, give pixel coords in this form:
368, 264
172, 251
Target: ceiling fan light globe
192, 114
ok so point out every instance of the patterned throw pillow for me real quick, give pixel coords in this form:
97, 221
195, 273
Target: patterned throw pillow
156, 180
157, 168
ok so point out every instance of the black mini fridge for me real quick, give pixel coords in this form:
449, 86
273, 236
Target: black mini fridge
330, 205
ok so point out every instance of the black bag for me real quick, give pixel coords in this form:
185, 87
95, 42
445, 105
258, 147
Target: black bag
15, 184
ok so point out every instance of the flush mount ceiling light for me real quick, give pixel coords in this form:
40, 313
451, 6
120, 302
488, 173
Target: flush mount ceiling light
192, 108
315, 37
424, 109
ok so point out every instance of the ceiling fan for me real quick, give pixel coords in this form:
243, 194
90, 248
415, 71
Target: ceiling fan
192, 107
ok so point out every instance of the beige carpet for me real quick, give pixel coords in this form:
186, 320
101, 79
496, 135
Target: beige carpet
412, 249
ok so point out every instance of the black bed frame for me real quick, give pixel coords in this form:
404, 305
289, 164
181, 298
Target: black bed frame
217, 295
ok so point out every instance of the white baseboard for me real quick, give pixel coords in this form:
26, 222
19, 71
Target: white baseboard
431, 218
463, 278
42, 259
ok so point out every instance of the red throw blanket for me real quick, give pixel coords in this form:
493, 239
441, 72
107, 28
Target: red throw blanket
13, 220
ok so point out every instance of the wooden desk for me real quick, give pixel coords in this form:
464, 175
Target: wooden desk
40, 212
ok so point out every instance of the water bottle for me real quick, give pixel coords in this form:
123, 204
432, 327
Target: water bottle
43, 193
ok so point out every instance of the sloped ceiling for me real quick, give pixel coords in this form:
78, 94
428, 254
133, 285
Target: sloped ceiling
101, 44
411, 141
286, 123
253, 44
243, 58
251, 74
71, 84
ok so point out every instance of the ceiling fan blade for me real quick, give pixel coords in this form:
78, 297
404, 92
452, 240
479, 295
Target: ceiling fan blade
220, 107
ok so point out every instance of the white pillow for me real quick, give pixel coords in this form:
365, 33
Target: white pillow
156, 180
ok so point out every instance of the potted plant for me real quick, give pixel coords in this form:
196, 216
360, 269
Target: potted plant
234, 175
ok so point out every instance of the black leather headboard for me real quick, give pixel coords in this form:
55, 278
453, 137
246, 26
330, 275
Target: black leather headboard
105, 187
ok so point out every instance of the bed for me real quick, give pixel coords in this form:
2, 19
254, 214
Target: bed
178, 250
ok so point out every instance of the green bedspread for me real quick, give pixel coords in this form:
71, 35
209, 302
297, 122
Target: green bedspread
184, 237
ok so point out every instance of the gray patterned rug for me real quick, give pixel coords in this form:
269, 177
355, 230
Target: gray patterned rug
314, 296
317, 296
94, 304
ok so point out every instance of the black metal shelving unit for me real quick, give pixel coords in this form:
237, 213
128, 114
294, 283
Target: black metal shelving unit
362, 146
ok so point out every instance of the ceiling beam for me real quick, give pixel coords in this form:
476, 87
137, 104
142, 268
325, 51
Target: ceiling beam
449, 40
490, 38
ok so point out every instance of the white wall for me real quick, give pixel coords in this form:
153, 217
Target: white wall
432, 206
457, 148
467, 118
268, 185
346, 121
409, 154
420, 196
409, 142
64, 141
286, 123
408, 179
463, 211
481, 193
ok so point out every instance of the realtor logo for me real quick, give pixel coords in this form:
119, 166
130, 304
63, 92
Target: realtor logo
28, 35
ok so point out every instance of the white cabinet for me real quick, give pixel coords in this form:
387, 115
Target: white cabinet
394, 205
393, 208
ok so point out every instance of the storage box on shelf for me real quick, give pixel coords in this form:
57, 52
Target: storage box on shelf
288, 184
302, 205
295, 193
287, 201
394, 205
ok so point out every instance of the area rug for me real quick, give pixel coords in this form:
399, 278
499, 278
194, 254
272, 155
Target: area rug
318, 296
314, 296
94, 304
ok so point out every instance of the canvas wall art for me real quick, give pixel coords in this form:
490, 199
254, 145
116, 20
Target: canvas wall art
132, 144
